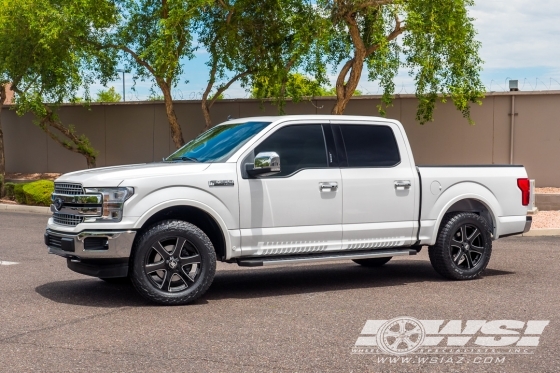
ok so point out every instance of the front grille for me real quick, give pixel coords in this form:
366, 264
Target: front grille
70, 220
69, 189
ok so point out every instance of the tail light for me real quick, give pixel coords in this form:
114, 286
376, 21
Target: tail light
525, 187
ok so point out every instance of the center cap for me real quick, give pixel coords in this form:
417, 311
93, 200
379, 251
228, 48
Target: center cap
173, 263
466, 246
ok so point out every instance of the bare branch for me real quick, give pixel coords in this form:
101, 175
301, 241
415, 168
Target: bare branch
224, 87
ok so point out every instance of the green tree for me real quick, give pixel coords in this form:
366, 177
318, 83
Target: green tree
437, 46
152, 37
46, 63
297, 85
250, 41
108, 95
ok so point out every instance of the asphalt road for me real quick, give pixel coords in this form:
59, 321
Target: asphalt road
304, 318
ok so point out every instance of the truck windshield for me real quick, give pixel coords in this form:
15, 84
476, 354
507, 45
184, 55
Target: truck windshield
218, 143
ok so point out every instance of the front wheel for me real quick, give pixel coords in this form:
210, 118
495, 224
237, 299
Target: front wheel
463, 247
173, 263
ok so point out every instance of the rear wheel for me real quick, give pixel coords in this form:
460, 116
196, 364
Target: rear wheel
463, 247
173, 263
372, 262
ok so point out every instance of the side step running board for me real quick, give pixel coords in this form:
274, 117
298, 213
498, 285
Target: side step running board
295, 259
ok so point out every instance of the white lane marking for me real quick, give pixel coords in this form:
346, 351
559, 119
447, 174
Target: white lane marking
5, 263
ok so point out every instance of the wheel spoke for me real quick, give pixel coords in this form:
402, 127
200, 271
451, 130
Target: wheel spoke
464, 233
456, 243
194, 259
408, 342
390, 333
416, 330
402, 326
178, 246
477, 249
153, 267
187, 279
469, 260
161, 250
166, 282
458, 256
396, 343
473, 236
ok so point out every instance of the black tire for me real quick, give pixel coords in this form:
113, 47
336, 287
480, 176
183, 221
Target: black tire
463, 247
372, 262
173, 263
116, 280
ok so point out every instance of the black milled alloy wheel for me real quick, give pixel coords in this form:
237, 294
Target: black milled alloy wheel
173, 263
463, 247
372, 262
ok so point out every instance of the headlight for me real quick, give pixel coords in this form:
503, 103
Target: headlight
113, 203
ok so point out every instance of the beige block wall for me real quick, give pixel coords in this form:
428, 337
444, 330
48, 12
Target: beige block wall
139, 132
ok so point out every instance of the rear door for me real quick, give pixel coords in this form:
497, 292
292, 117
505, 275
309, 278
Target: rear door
378, 186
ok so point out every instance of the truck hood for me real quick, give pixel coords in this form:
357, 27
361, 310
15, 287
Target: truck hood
114, 176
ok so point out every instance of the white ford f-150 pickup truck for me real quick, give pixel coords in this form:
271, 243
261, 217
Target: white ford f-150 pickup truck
281, 190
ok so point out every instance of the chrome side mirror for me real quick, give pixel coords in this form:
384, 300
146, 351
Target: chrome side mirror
266, 164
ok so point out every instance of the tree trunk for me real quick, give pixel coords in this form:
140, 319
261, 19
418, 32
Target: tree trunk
91, 161
206, 113
2, 159
176, 133
345, 89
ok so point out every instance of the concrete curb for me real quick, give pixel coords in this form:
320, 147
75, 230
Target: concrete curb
23, 208
542, 232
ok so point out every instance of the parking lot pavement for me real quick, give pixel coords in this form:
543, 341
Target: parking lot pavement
304, 318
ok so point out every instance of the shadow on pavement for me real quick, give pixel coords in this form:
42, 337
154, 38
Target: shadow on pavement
91, 292
258, 283
269, 282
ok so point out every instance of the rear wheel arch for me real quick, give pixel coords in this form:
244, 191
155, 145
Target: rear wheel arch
475, 206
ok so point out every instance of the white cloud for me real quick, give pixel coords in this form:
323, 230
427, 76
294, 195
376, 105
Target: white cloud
518, 33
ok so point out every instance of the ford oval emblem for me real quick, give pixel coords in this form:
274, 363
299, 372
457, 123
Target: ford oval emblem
58, 202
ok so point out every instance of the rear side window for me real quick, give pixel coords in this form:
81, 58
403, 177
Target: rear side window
299, 147
370, 146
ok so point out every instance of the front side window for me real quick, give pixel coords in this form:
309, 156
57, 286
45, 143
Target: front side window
370, 146
299, 147
218, 143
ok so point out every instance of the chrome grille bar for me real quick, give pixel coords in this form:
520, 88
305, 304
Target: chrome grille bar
68, 189
65, 219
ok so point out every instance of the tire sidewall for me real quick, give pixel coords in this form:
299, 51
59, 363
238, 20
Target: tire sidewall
169, 229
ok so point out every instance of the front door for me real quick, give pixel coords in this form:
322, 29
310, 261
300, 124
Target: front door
298, 210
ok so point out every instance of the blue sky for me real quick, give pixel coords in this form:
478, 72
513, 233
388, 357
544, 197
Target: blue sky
520, 40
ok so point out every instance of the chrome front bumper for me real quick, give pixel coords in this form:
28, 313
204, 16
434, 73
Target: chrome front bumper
90, 244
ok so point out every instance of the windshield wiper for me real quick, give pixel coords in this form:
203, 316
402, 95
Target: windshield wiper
185, 158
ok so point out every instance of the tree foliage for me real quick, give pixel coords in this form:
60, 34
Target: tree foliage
437, 46
251, 41
46, 63
296, 87
153, 37
108, 95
